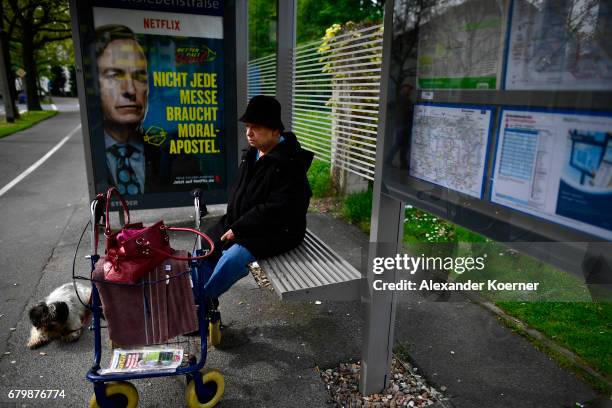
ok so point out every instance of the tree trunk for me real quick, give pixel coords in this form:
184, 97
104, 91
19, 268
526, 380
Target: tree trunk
29, 64
10, 109
8, 94
11, 74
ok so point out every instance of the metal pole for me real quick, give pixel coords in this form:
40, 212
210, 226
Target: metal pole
386, 233
242, 60
81, 90
385, 241
286, 37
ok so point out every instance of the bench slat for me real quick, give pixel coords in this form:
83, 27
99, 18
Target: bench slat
319, 271
312, 271
342, 271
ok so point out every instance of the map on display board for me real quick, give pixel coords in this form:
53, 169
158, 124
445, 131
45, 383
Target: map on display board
557, 166
462, 47
560, 45
449, 146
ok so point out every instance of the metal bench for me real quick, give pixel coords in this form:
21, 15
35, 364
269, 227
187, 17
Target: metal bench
312, 271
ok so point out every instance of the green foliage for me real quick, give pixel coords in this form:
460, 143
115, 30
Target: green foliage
262, 28
323, 122
319, 177
421, 226
315, 16
357, 209
32, 26
54, 54
25, 121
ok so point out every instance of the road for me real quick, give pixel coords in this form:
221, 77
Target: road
36, 211
35, 215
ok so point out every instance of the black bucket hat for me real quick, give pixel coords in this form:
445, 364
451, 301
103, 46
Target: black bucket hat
264, 110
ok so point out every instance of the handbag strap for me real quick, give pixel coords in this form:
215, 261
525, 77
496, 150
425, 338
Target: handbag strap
109, 197
188, 258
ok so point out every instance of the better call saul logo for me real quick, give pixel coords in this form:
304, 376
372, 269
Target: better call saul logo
195, 55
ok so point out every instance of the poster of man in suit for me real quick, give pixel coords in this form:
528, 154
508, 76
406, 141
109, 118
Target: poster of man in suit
160, 83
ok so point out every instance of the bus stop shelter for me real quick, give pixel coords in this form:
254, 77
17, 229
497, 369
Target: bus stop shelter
509, 139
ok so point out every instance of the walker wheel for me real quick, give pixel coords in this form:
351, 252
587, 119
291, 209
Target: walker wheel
121, 393
213, 382
214, 332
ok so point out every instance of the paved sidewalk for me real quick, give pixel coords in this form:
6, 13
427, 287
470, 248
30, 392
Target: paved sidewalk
270, 349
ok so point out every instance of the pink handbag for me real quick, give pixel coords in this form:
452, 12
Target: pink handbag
135, 249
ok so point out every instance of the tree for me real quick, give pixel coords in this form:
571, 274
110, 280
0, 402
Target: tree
55, 54
262, 28
7, 79
315, 16
34, 24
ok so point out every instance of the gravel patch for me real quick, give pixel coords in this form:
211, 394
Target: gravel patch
332, 205
406, 388
260, 276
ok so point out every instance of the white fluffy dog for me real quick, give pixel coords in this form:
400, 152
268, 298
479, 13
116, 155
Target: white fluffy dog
60, 316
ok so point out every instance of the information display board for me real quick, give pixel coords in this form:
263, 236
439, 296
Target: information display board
462, 47
556, 165
547, 177
157, 86
449, 146
560, 45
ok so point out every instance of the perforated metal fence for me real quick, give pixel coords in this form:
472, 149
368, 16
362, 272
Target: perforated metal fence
336, 84
261, 75
335, 98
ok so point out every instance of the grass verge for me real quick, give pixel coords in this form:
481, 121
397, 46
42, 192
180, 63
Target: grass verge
26, 120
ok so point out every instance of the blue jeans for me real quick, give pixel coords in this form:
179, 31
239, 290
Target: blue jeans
221, 274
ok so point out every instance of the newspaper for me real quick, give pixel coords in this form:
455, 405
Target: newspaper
142, 360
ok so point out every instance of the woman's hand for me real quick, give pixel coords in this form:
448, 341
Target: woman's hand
228, 236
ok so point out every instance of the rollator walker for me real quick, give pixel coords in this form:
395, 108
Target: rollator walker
203, 390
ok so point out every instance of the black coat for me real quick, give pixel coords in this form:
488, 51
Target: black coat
269, 199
